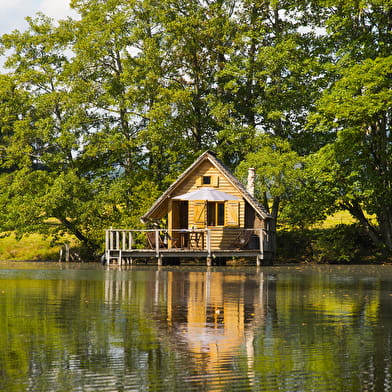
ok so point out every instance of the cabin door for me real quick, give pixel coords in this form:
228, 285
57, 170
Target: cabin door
183, 215
179, 219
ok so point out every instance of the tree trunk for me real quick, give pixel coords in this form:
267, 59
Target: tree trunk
275, 208
91, 246
374, 234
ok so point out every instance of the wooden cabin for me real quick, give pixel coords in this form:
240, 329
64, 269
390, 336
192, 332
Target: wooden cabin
207, 213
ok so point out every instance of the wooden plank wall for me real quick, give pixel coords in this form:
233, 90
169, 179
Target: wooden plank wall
218, 240
207, 169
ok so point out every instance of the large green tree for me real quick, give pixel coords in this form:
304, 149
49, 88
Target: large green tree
358, 171
352, 171
270, 79
52, 165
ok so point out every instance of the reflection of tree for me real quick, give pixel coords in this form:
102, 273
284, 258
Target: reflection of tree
143, 324
321, 335
173, 329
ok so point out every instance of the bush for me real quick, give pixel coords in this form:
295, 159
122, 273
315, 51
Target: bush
293, 245
340, 244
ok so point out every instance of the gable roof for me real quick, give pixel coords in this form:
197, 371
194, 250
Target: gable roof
207, 156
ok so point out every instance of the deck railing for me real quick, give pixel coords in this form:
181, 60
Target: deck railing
191, 239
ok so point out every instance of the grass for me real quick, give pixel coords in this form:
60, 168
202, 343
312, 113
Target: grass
33, 247
339, 218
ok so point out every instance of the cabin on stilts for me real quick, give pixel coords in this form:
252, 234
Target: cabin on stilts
205, 214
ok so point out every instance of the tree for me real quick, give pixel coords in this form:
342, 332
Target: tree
358, 110
51, 148
271, 80
278, 172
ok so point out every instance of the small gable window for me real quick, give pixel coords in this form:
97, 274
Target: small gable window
210, 181
206, 180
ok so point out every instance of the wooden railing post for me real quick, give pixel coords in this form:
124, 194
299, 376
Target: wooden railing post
124, 234
157, 242
209, 258
209, 242
107, 247
117, 240
130, 240
107, 244
111, 240
261, 241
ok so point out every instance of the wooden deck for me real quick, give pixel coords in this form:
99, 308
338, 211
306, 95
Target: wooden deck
127, 246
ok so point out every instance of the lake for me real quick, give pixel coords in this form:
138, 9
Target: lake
68, 327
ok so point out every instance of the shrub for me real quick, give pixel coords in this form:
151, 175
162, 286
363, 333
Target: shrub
339, 244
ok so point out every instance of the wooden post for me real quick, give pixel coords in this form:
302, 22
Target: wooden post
110, 239
107, 243
261, 240
170, 232
107, 247
130, 240
66, 252
124, 245
209, 258
117, 240
157, 242
209, 242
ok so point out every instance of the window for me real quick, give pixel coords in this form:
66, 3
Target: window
206, 180
210, 180
220, 214
215, 213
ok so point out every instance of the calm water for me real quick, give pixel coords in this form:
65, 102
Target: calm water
87, 328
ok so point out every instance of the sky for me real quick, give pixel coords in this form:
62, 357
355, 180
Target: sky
14, 12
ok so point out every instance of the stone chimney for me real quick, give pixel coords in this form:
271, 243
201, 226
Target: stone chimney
251, 181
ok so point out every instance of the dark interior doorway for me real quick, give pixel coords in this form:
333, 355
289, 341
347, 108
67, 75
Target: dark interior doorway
183, 212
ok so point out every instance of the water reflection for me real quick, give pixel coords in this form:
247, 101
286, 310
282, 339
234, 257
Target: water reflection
206, 316
178, 329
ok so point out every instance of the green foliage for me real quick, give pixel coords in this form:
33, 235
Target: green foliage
342, 243
100, 114
278, 171
357, 165
338, 245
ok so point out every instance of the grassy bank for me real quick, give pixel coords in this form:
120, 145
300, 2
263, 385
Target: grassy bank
33, 247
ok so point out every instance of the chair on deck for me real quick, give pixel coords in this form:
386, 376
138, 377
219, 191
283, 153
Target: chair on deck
242, 239
151, 238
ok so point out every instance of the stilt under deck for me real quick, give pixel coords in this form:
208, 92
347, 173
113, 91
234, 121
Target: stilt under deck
127, 246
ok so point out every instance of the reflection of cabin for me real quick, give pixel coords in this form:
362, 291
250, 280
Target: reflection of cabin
206, 212
208, 318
